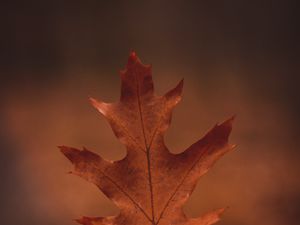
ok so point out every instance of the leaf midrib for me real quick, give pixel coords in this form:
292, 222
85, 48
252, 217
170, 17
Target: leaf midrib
147, 149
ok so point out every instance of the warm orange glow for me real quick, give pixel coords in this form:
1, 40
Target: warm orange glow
243, 180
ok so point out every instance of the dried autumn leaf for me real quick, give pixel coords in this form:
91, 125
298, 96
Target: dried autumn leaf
150, 185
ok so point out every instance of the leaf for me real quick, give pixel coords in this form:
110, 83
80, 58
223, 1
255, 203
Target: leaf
150, 185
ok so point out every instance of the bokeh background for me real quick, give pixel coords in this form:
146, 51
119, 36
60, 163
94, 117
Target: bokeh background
237, 57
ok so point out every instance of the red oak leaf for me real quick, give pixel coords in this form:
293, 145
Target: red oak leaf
149, 185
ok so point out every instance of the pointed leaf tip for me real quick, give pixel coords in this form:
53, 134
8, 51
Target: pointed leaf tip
175, 94
99, 105
179, 86
92, 101
229, 121
63, 149
70, 153
132, 59
133, 55
226, 127
208, 218
220, 132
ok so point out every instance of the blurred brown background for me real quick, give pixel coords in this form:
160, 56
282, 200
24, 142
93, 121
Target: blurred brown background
237, 57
